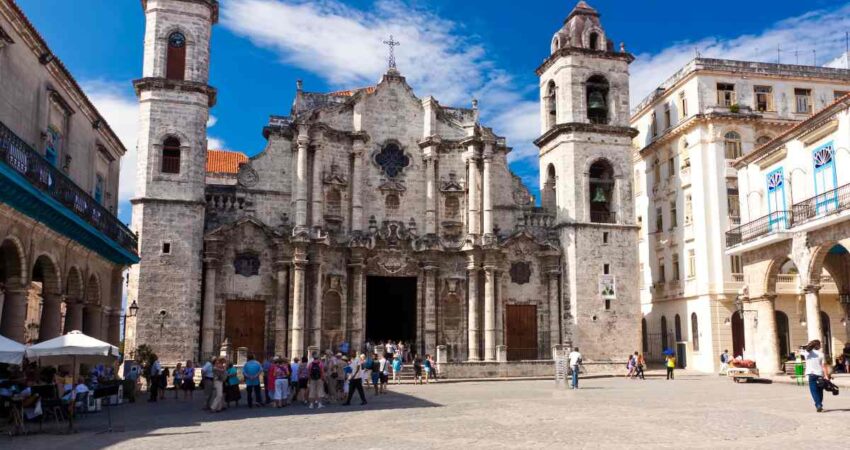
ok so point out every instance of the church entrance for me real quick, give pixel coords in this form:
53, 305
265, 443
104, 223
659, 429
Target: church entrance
521, 331
391, 309
245, 325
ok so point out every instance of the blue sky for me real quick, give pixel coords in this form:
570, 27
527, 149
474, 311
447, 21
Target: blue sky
453, 50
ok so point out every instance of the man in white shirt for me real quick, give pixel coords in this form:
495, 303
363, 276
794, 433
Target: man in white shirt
355, 382
207, 380
154, 380
816, 368
575, 363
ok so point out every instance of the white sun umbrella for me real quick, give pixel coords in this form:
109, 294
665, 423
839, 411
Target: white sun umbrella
11, 352
74, 348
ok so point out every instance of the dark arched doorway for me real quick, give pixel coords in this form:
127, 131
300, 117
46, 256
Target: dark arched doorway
737, 335
664, 343
783, 335
827, 333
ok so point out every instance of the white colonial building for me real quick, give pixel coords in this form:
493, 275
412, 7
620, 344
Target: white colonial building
692, 129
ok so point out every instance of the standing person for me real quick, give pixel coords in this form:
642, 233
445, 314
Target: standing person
188, 383
417, 370
207, 376
153, 381
133, 377
426, 364
384, 370
724, 362
231, 388
367, 367
219, 375
630, 366
346, 374
280, 371
816, 371
641, 364
433, 365
402, 351
268, 365
397, 365
178, 380
252, 371
303, 378
575, 366
163, 382
355, 380
315, 383
670, 362
293, 379
375, 372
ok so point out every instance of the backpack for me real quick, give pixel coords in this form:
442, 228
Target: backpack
315, 371
376, 366
723, 358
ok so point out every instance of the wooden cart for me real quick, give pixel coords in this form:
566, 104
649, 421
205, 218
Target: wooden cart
742, 373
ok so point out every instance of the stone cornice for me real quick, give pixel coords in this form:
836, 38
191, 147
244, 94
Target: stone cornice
212, 4
573, 127
567, 51
151, 83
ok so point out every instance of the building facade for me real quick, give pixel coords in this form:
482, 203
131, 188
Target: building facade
62, 250
373, 214
692, 129
795, 237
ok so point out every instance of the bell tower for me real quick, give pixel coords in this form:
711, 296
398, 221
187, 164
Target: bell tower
168, 208
585, 180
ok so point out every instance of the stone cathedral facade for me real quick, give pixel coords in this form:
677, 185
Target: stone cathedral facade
375, 214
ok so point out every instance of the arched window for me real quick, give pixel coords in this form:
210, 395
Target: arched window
594, 41
694, 332
549, 194
597, 99
677, 323
452, 207
171, 155
601, 192
664, 342
732, 145
551, 105
333, 203
175, 61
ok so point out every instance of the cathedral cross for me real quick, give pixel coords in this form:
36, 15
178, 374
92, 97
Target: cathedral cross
392, 44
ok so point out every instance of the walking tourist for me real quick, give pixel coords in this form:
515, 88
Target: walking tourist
640, 365
724, 362
303, 377
315, 384
219, 375
670, 363
280, 389
153, 380
188, 381
207, 376
231, 387
575, 366
375, 373
397, 365
293, 379
252, 371
630, 366
426, 365
817, 371
178, 380
384, 373
417, 370
356, 380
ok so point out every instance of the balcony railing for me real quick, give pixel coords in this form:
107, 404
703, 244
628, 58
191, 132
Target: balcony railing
769, 224
19, 156
603, 217
829, 202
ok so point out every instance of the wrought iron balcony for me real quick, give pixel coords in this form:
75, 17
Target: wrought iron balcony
769, 224
826, 203
43, 176
603, 217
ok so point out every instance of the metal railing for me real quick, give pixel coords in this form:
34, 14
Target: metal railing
603, 217
769, 224
19, 156
823, 204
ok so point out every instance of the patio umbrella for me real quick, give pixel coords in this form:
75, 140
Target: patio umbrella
75, 348
11, 352
669, 352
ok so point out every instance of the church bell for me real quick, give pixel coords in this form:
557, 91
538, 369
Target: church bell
596, 101
599, 195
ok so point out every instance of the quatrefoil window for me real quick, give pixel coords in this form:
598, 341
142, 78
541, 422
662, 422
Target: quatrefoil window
392, 160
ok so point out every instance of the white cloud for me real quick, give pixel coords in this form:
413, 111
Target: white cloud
212, 121
796, 38
118, 106
215, 143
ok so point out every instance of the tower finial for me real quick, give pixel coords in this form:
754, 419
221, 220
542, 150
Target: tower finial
392, 44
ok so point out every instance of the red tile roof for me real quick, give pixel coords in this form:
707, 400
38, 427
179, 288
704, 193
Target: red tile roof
351, 92
223, 161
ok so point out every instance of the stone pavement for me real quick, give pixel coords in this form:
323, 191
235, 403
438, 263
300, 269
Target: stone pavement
695, 411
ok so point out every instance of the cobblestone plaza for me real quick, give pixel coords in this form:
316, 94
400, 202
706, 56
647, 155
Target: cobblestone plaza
694, 411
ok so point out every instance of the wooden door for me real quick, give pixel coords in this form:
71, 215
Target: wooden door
521, 331
245, 325
737, 335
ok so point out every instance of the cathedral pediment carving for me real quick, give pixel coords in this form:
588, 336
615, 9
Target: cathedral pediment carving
247, 176
452, 184
392, 186
334, 177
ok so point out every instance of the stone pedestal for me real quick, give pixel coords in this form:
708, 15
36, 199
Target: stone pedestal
501, 353
441, 354
241, 356
558, 350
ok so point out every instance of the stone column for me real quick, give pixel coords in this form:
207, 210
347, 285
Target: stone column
430, 308
472, 299
356, 186
430, 194
767, 345
73, 315
488, 192
554, 308
113, 329
296, 347
94, 316
318, 218
303, 142
51, 317
473, 224
208, 317
814, 327
489, 313
281, 311
318, 304
357, 307
13, 323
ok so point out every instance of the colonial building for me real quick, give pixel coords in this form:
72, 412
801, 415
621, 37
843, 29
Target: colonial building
62, 250
692, 129
794, 239
374, 214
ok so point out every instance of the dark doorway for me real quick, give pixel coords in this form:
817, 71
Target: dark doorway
826, 340
391, 309
521, 331
782, 335
737, 335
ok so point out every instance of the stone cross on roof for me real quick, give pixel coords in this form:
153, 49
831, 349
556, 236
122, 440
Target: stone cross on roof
392, 45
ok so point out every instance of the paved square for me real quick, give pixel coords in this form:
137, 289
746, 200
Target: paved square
696, 411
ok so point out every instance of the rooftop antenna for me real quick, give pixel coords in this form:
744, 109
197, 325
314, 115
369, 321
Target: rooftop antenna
814, 57
778, 54
797, 57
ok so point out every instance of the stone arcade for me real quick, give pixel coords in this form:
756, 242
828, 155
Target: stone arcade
374, 214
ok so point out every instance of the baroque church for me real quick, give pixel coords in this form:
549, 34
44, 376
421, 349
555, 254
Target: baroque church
375, 214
